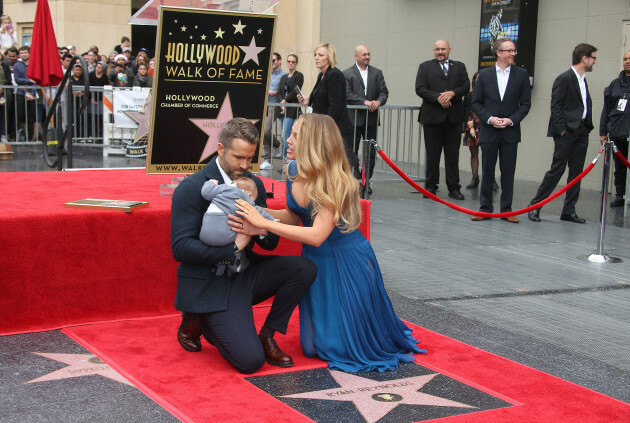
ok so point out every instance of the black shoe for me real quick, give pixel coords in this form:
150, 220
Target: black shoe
369, 189
572, 218
534, 215
617, 202
474, 183
189, 332
432, 190
456, 194
495, 187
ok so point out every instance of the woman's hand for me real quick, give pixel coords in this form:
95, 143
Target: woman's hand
242, 226
303, 100
249, 213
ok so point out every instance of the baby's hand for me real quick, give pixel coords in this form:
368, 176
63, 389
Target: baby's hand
215, 181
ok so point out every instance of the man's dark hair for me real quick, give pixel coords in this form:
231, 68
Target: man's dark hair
27, 48
66, 56
582, 50
11, 50
238, 128
124, 38
275, 53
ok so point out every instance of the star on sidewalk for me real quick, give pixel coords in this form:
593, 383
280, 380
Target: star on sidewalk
212, 127
142, 118
79, 365
374, 399
219, 33
251, 52
238, 27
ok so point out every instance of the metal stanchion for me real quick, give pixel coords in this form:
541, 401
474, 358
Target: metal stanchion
600, 257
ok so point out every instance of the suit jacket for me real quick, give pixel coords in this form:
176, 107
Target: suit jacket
199, 289
355, 93
431, 81
486, 102
329, 98
567, 106
288, 93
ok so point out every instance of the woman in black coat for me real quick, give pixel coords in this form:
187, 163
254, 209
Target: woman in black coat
329, 97
288, 93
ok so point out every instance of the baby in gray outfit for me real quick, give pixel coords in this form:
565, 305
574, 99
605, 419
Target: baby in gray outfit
215, 230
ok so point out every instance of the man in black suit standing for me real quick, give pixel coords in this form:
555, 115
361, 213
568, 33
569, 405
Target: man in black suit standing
365, 86
501, 100
442, 85
569, 124
220, 307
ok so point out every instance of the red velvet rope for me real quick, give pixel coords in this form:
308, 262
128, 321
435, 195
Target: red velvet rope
623, 159
484, 214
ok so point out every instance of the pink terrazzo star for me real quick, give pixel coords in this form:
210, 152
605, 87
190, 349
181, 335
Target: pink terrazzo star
79, 365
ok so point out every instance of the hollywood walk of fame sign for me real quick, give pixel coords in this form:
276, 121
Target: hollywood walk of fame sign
79, 365
410, 393
138, 147
211, 66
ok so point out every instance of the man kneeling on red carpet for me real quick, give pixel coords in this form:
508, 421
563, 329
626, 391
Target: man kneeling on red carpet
220, 307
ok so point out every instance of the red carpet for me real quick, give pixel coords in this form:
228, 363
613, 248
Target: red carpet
62, 266
204, 388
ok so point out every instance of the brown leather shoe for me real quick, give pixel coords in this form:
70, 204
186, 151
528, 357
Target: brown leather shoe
478, 218
511, 219
274, 355
189, 332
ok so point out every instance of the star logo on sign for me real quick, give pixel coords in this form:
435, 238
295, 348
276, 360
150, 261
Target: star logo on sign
251, 52
212, 127
79, 365
219, 33
183, 28
238, 27
142, 118
259, 30
203, 37
374, 399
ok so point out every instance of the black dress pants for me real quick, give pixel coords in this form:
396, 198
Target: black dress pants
620, 167
233, 331
443, 136
360, 132
569, 150
506, 152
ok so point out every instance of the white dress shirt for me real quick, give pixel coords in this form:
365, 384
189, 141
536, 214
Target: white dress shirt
502, 79
364, 75
582, 84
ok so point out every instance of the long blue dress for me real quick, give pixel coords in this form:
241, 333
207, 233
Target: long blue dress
346, 318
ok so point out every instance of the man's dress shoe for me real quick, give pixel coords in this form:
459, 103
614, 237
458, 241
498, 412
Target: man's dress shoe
432, 190
478, 218
274, 355
572, 218
511, 219
534, 215
189, 332
617, 202
456, 194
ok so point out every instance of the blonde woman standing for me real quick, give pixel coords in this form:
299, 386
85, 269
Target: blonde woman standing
8, 35
346, 318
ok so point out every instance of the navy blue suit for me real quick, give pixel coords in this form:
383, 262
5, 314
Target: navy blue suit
500, 143
225, 301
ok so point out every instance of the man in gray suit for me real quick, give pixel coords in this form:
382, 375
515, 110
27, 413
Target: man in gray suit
365, 86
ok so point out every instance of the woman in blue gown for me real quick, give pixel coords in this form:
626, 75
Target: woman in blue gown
346, 318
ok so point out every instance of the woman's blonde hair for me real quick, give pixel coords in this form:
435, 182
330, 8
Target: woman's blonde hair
322, 164
332, 53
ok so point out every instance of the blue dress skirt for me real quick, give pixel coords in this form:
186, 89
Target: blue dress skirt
346, 318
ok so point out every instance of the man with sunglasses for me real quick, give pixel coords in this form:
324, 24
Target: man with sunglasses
570, 123
274, 84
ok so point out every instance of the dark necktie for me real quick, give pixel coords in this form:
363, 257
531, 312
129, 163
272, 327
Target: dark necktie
444, 68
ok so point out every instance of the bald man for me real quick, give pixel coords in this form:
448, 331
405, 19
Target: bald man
615, 123
365, 86
442, 85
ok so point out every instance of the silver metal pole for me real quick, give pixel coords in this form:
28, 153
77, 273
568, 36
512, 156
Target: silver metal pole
600, 257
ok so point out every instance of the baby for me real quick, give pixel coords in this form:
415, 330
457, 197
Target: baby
215, 230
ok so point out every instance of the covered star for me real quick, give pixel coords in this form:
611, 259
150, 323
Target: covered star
238, 27
142, 118
219, 33
212, 127
374, 399
79, 365
251, 52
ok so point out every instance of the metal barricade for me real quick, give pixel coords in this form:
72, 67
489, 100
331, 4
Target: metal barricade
398, 133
